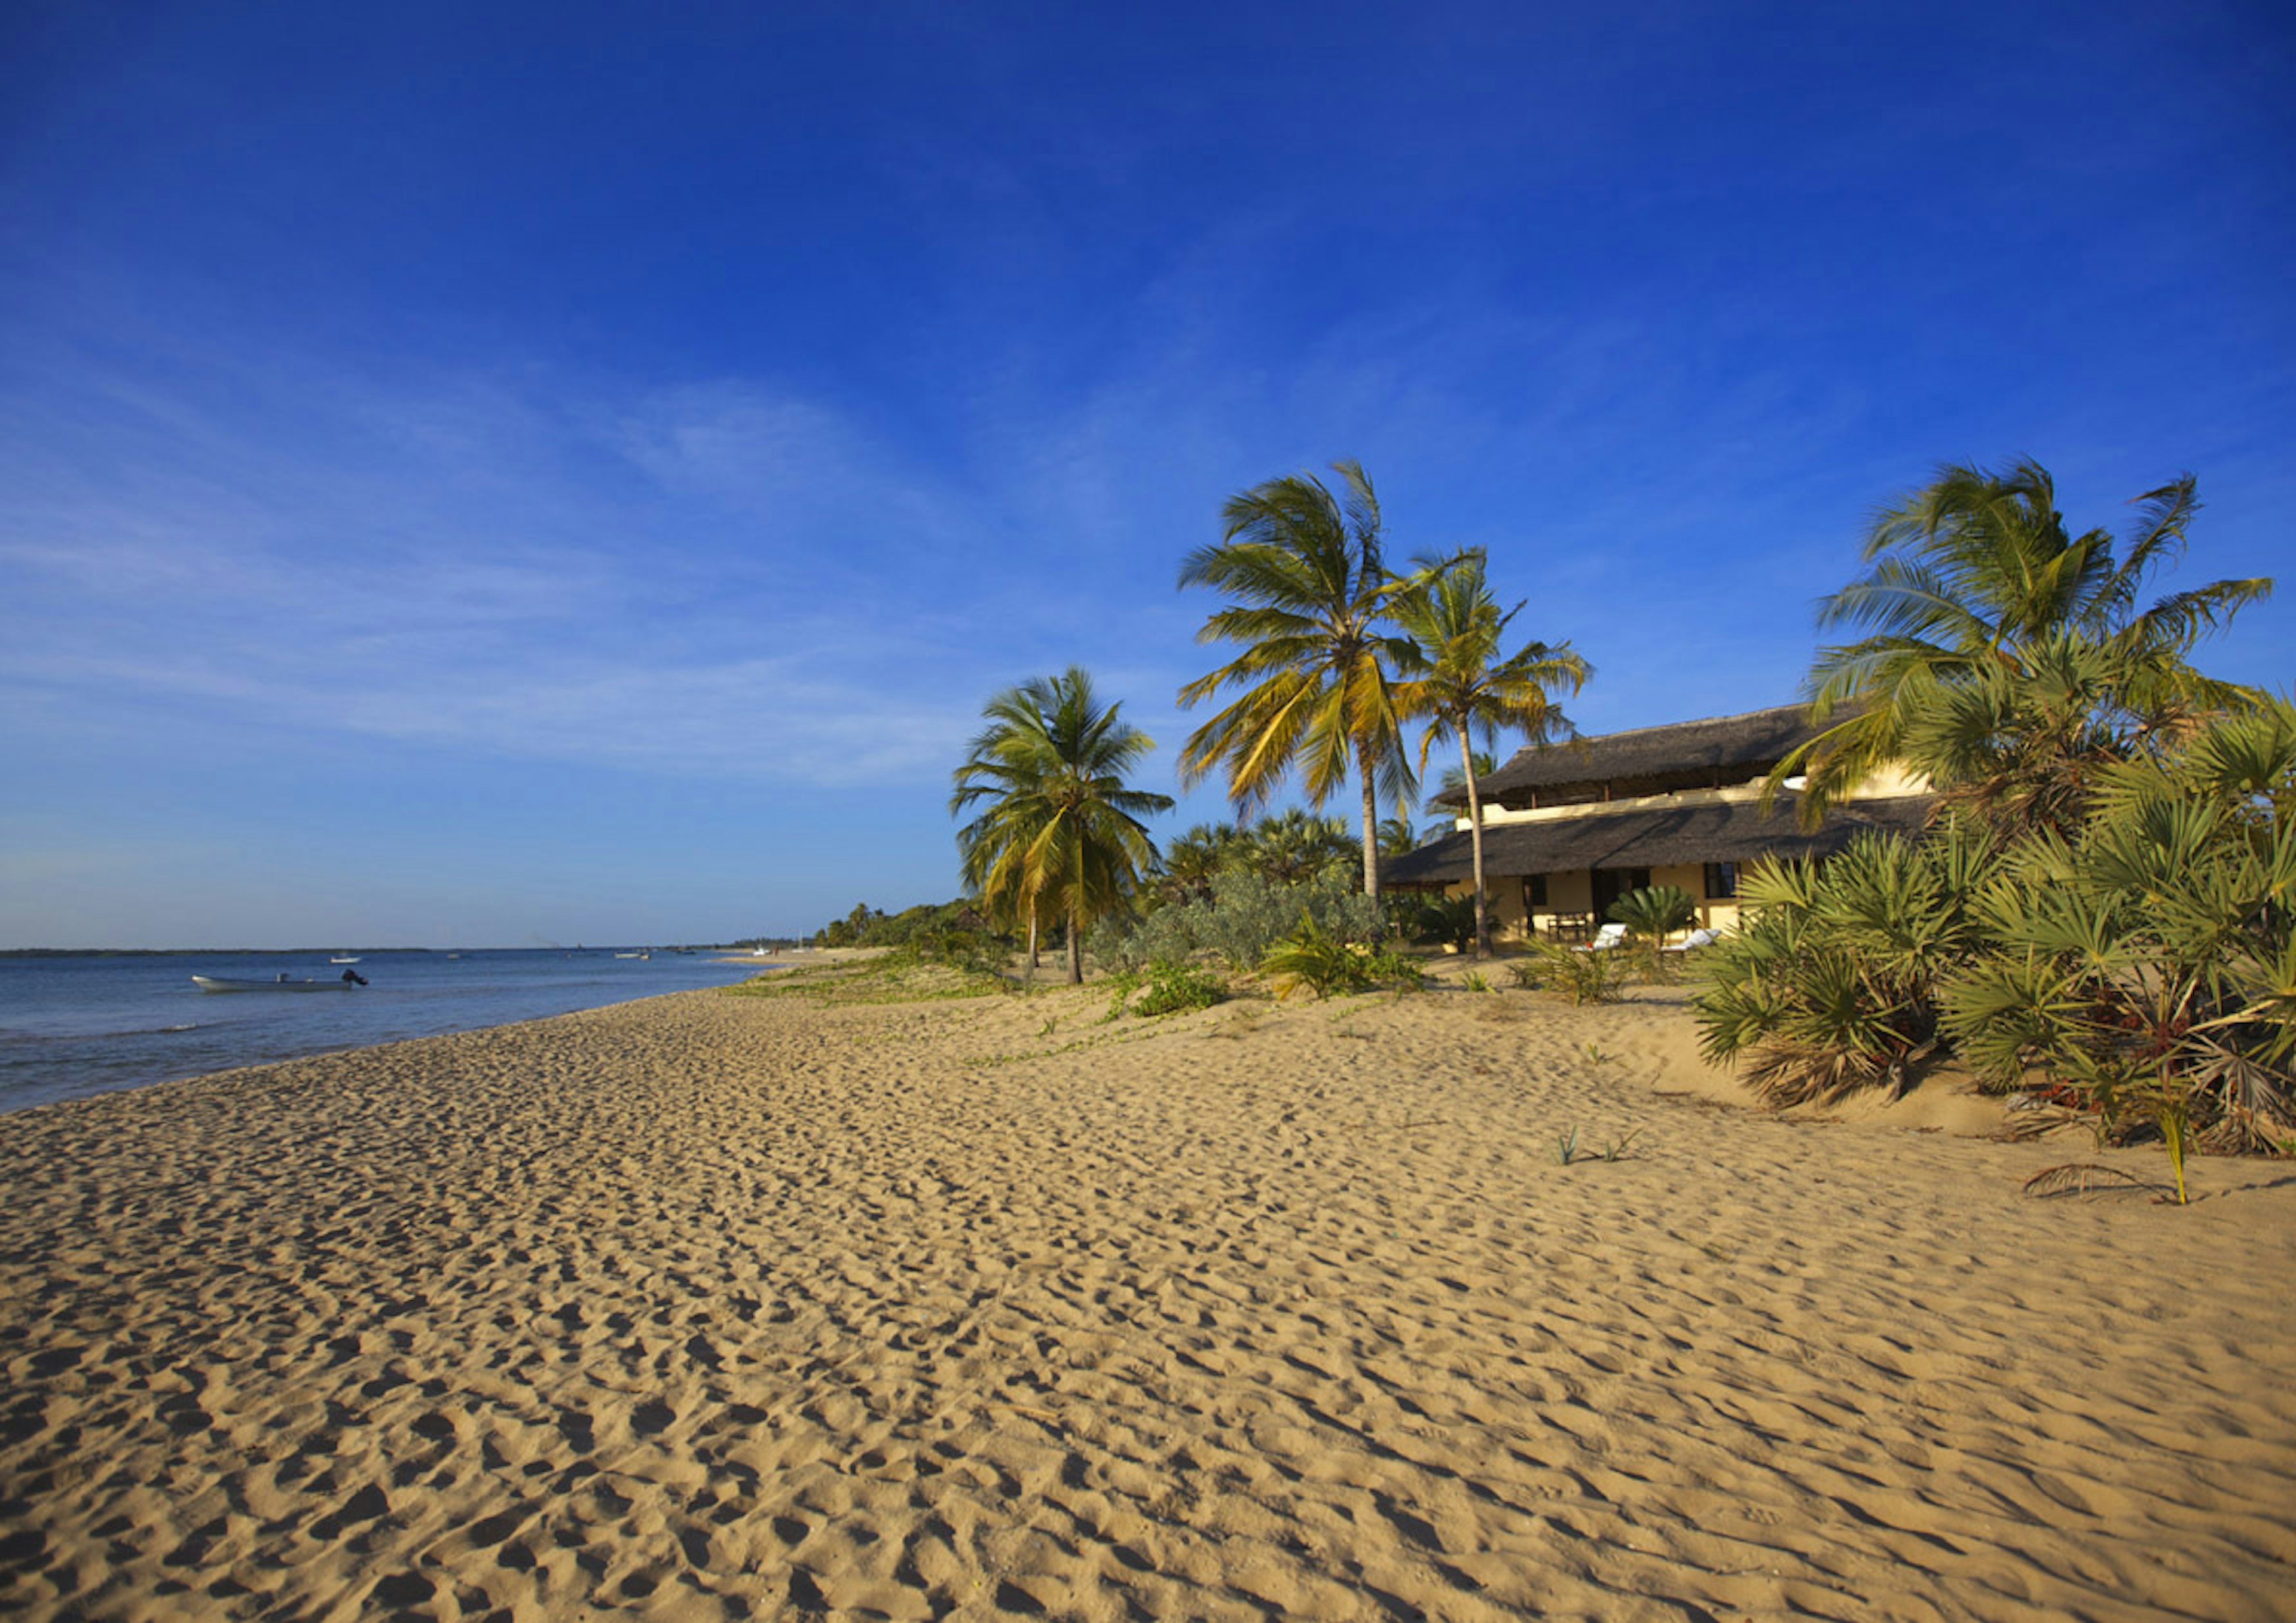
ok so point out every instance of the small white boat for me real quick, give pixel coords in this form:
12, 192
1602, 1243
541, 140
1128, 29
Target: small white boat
342, 958
225, 983
633, 955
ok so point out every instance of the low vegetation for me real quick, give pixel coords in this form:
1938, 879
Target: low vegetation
1243, 915
1580, 976
2105, 914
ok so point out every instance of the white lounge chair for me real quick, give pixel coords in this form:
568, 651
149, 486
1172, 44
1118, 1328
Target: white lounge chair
1605, 938
1691, 942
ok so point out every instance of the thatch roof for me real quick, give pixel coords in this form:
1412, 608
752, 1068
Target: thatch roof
1649, 838
1718, 750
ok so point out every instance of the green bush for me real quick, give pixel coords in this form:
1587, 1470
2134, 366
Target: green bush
1322, 962
1582, 976
1436, 921
1389, 967
1246, 915
2151, 964
1174, 989
1650, 914
1830, 984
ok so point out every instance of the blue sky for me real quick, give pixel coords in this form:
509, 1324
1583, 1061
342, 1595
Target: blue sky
492, 474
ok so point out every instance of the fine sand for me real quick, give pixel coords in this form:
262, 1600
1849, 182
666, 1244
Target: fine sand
711, 1306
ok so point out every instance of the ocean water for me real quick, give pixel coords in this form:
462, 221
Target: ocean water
72, 1027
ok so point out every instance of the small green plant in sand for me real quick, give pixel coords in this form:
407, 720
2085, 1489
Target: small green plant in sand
1121, 985
1595, 1055
1475, 981
1566, 1146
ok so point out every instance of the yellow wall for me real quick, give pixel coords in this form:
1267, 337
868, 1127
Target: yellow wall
1573, 892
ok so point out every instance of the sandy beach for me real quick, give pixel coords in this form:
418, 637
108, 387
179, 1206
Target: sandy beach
715, 1306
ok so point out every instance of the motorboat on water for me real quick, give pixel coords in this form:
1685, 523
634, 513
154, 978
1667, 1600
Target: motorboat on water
342, 958
226, 983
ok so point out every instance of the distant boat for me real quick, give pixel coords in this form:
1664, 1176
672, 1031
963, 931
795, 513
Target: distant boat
633, 955
221, 983
342, 958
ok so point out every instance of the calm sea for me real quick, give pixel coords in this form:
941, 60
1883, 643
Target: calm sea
70, 1026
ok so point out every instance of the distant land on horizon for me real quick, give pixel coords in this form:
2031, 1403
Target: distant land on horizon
305, 952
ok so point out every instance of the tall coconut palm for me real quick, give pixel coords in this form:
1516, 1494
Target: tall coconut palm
1310, 598
1461, 682
1060, 831
1973, 576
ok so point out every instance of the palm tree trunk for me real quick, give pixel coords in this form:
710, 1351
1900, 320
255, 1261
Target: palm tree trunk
1370, 826
1032, 937
1475, 839
1075, 912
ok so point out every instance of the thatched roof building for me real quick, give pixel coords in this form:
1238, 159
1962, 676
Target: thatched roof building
1646, 837
1713, 753
1569, 828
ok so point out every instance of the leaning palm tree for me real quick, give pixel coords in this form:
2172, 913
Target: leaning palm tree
1973, 576
1462, 685
1310, 600
1061, 833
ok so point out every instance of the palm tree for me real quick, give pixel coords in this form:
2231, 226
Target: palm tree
1060, 832
1479, 764
1462, 685
1311, 596
1397, 836
1974, 580
1193, 859
1295, 847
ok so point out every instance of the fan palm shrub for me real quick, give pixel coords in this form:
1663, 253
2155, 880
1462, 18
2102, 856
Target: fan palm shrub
2151, 963
1830, 983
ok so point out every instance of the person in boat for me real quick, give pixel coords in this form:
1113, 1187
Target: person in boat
350, 978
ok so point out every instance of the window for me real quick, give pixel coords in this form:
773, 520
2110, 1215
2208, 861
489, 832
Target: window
1721, 881
1534, 892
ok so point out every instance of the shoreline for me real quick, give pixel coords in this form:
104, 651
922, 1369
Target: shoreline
699, 1301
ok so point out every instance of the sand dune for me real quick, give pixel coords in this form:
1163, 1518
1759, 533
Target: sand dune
707, 1307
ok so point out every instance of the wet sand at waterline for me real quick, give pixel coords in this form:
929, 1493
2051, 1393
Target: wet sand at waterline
713, 1306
